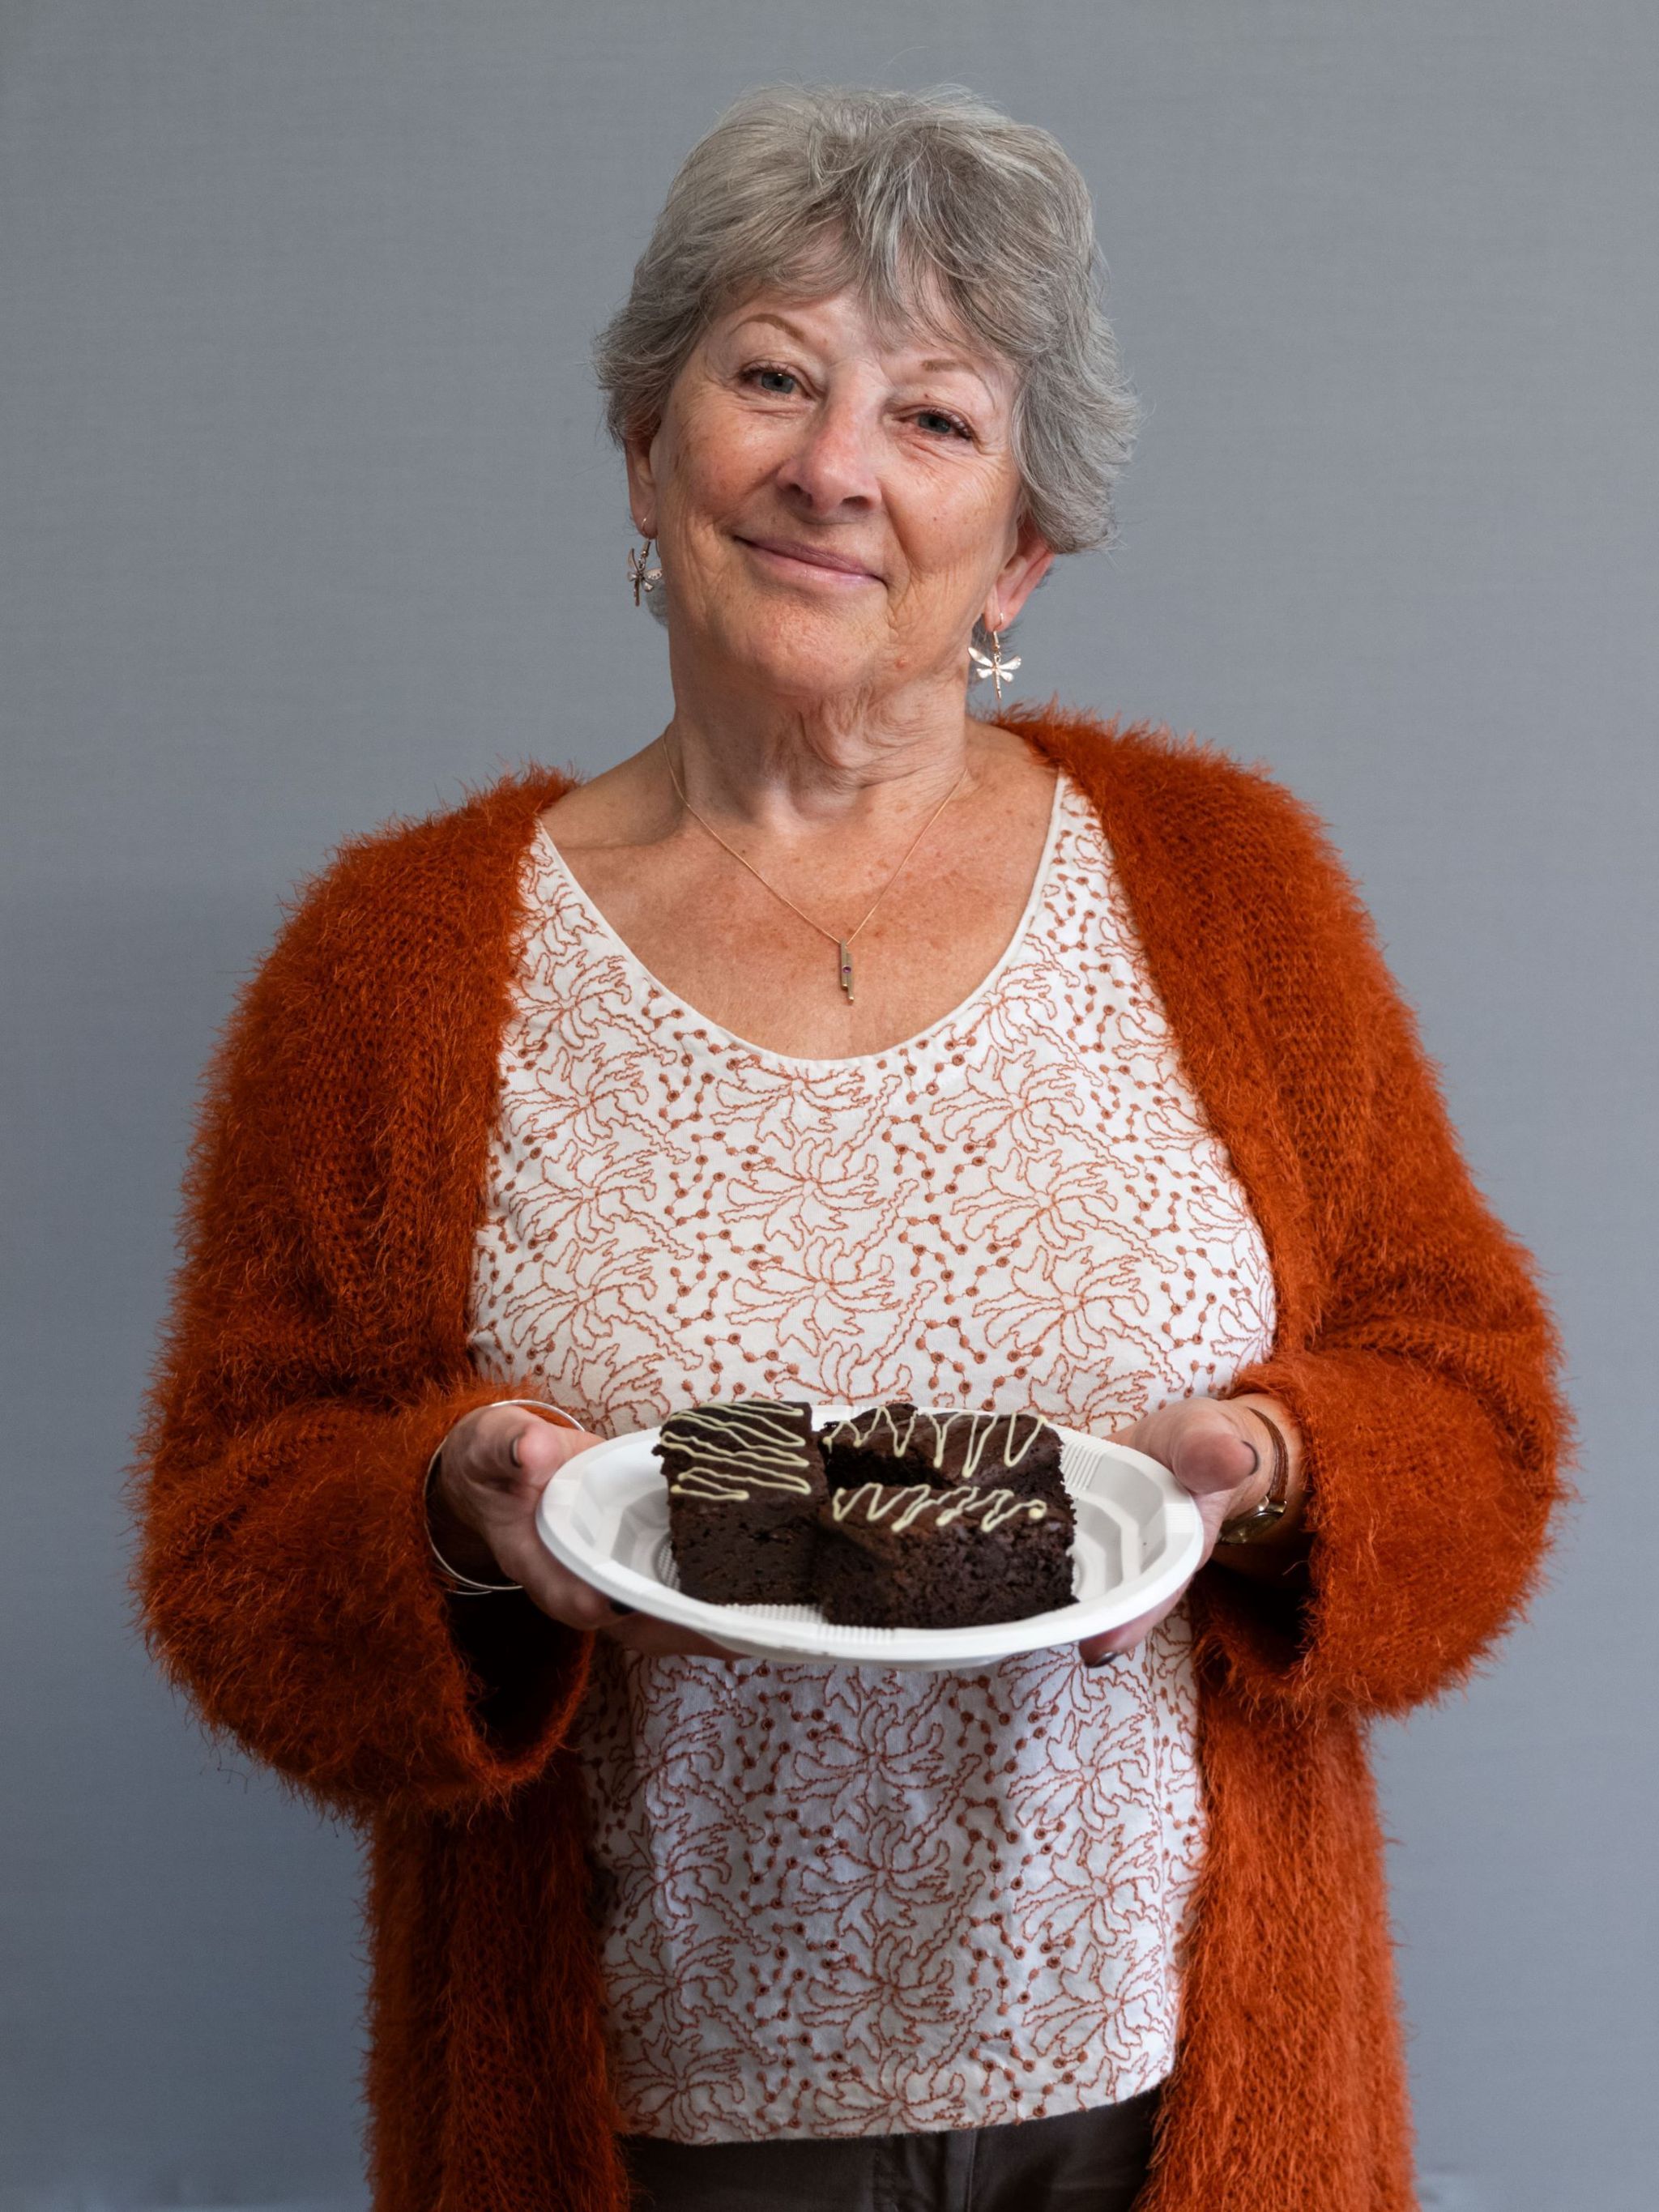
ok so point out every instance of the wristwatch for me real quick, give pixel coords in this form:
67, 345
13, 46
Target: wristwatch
1246, 1528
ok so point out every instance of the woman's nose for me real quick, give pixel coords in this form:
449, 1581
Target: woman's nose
833, 463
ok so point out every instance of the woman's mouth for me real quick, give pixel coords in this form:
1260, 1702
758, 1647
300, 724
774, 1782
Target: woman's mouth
803, 563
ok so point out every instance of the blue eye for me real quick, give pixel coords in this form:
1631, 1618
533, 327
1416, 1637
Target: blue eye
783, 381
935, 417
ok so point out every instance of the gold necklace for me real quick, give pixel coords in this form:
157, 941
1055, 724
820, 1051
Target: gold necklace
843, 945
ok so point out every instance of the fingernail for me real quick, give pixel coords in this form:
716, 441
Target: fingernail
512, 1453
1106, 1659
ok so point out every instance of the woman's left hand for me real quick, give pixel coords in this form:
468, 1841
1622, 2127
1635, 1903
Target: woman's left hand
1222, 1455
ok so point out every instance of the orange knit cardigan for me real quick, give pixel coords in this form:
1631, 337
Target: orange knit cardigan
317, 1354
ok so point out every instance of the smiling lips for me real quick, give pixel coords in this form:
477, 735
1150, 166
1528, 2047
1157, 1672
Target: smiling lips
796, 556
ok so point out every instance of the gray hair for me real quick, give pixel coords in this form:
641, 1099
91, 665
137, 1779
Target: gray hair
925, 201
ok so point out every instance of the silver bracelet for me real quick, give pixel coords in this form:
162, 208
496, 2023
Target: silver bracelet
462, 1585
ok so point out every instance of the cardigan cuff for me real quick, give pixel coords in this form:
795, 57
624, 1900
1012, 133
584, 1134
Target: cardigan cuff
1408, 1477
289, 1583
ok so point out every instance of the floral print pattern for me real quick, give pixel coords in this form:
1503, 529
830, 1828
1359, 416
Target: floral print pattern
838, 1900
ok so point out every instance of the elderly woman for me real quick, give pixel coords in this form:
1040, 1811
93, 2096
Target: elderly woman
836, 1044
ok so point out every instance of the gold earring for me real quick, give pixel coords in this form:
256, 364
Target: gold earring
993, 664
642, 578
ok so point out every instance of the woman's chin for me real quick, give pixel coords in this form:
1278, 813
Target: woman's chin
796, 671
801, 670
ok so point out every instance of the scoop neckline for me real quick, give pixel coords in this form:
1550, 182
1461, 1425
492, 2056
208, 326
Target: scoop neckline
716, 1033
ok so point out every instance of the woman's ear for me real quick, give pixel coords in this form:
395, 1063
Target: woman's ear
1019, 576
638, 457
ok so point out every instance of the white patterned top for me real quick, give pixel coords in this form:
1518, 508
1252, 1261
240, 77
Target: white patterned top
838, 1901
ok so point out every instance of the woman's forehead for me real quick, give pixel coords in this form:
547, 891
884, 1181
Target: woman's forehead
923, 338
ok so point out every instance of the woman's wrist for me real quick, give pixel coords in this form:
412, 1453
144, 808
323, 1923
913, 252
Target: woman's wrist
465, 1557
1265, 1524
459, 1549
1261, 1502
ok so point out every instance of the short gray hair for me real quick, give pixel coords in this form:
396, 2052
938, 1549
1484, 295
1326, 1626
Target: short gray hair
911, 197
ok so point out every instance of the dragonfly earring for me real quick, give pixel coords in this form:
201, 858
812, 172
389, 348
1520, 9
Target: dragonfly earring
993, 664
641, 576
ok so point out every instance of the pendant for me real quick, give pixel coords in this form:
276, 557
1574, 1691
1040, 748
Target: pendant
993, 664
845, 953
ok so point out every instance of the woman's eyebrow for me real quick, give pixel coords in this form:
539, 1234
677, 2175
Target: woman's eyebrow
782, 322
952, 364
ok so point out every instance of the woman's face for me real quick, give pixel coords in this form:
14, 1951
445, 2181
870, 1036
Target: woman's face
834, 508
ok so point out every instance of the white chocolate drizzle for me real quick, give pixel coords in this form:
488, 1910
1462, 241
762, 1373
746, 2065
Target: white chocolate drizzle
908, 1501
862, 1430
754, 1444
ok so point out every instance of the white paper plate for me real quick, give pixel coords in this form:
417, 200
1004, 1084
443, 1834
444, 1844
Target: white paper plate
1138, 1539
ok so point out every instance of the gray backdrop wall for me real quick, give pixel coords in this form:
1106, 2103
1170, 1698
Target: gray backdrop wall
307, 522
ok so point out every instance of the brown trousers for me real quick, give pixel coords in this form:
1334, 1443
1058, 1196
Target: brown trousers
1080, 2162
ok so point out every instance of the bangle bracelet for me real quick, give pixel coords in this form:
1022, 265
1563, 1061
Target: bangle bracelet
1244, 1527
458, 1585
461, 1585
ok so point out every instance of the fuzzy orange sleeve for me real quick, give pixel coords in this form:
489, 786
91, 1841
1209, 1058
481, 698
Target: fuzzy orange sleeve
1416, 1354
314, 1360
288, 1586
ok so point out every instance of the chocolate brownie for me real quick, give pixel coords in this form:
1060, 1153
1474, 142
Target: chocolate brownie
744, 1480
894, 1442
920, 1555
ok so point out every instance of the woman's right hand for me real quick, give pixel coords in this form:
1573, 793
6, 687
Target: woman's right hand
495, 1464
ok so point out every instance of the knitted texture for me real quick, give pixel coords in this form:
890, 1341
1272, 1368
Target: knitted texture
316, 1355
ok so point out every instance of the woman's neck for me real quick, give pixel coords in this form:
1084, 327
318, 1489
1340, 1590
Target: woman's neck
789, 768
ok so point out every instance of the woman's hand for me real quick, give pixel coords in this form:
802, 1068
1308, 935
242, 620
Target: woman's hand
491, 1473
1222, 1455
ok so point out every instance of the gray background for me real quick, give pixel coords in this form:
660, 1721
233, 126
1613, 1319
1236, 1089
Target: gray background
307, 522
